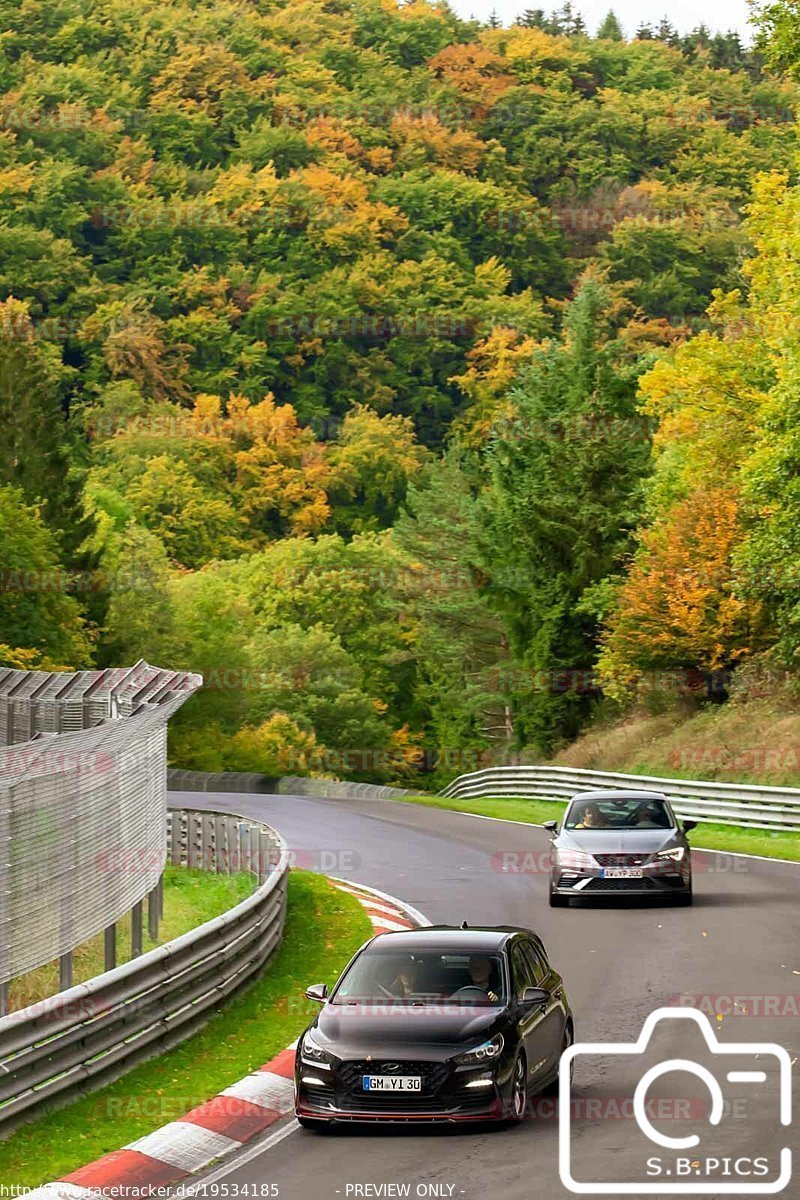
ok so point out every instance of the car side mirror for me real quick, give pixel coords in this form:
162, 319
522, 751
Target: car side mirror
317, 992
688, 826
551, 825
533, 996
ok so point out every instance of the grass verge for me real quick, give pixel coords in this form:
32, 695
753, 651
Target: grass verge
323, 928
191, 897
707, 836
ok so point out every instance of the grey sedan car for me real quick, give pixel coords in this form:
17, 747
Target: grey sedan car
620, 843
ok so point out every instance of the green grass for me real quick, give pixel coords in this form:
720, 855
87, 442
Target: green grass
323, 928
733, 838
191, 897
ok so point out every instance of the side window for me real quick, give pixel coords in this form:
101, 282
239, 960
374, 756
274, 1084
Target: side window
521, 971
538, 965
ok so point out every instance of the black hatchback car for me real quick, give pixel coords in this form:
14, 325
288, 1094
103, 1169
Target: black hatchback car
436, 1024
620, 843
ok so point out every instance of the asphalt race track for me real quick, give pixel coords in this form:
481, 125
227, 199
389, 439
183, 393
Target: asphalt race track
739, 946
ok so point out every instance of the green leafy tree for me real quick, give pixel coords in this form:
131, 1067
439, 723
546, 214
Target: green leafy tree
37, 611
371, 461
139, 620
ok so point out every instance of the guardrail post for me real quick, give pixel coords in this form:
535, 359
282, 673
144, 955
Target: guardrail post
252, 845
224, 851
65, 971
194, 839
3, 999
263, 855
207, 842
137, 929
153, 913
110, 947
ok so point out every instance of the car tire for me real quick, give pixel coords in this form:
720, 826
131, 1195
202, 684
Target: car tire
519, 1089
558, 901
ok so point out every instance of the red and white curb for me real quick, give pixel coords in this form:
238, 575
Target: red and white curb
222, 1125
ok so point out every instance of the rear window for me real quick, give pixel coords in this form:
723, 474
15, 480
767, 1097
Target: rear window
634, 813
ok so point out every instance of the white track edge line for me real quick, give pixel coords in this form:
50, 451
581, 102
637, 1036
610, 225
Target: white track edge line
414, 913
244, 1156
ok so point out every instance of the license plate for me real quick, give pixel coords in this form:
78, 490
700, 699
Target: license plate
392, 1083
623, 873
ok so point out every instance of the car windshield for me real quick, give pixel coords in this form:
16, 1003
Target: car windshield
619, 813
423, 978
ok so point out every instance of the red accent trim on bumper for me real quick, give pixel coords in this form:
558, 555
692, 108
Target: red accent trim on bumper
493, 1114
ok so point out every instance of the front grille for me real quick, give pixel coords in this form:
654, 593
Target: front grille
620, 885
621, 860
433, 1075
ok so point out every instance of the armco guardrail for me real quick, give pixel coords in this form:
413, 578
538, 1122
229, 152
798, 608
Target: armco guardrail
724, 803
179, 780
93, 1033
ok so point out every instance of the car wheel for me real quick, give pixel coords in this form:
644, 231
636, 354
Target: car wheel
552, 1088
558, 901
519, 1089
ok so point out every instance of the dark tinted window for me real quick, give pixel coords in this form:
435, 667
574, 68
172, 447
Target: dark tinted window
521, 970
423, 977
538, 964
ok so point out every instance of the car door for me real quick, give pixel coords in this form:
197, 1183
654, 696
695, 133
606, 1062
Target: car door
529, 1018
550, 1031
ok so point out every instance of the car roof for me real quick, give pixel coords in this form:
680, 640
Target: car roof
481, 938
619, 794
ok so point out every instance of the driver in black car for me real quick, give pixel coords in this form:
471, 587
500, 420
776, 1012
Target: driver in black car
406, 981
480, 972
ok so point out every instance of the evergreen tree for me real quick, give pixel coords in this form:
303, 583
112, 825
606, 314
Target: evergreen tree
610, 29
565, 472
667, 32
570, 22
532, 18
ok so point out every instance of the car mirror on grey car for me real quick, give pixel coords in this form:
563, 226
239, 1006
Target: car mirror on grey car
688, 826
551, 825
318, 992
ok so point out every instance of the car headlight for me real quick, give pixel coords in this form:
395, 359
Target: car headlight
486, 1052
311, 1052
577, 860
676, 854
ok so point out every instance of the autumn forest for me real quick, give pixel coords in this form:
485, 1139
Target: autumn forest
432, 387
